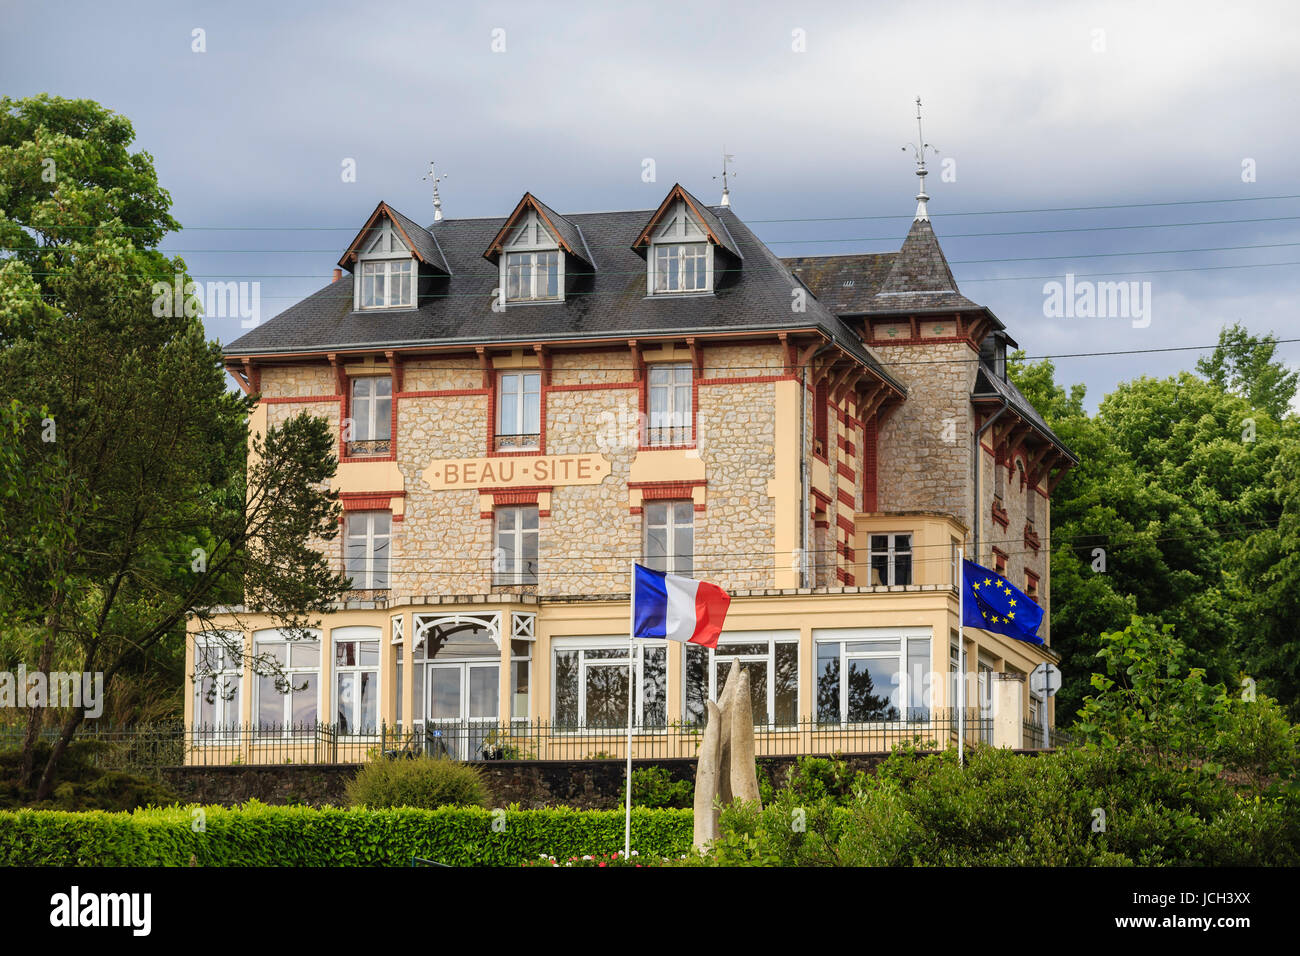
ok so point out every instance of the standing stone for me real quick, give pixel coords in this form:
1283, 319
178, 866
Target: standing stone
740, 730
706, 779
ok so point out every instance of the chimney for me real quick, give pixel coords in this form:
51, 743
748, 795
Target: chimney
338, 274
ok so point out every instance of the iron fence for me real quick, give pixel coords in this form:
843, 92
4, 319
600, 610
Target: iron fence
1033, 737
146, 748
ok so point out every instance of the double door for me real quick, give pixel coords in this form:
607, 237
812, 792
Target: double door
462, 708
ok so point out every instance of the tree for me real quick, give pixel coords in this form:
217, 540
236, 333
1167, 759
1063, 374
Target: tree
1177, 482
1243, 364
130, 503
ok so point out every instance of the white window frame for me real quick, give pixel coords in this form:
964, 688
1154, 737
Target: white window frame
530, 238
679, 424
518, 440
675, 237
890, 554
719, 665
292, 673
581, 645
223, 728
676, 559
368, 426
375, 576
901, 691
358, 634
508, 566
380, 259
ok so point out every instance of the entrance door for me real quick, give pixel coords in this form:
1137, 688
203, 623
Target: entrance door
463, 707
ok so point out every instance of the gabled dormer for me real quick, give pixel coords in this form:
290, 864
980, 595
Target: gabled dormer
538, 253
394, 262
687, 248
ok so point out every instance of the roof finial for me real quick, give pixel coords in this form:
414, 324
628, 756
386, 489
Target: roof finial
437, 201
726, 162
919, 148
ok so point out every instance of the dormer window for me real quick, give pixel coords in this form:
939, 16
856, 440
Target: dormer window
532, 268
681, 257
385, 270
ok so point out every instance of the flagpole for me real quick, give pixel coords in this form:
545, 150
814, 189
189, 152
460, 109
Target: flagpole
961, 656
631, 684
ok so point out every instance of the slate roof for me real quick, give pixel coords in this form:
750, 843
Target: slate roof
990, 385
844, 284
712, 224
914, 280
754, 295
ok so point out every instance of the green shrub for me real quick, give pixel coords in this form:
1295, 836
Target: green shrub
423, 781
258, 835
78, 783
655, 787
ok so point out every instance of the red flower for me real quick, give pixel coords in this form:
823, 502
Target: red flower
604, 864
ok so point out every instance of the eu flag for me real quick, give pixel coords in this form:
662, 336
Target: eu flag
993, 603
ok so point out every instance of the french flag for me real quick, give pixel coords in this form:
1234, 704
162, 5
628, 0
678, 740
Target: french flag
678, 608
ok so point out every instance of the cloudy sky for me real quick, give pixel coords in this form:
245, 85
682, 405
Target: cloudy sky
1163, 109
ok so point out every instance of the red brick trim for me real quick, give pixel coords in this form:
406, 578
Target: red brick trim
845, 471
444, 393
364, 501
846, 498
869, 465
593, 386
846, 524
999, 558
1000, 515
747, 380
345, 404
294, 399
665, 490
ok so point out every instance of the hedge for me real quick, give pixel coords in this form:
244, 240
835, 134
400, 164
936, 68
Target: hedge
259, 835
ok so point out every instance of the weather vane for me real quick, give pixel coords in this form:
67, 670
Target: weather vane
918, 149
727, 159
437, 201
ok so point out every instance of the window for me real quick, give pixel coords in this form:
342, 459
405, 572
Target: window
890, 559
288, 703
671, 418
370, 416
521, 653
385, 274
591, 684
519, 406
956, 563
532, 275
670, 536
386, 284
681, 258
821, 420
218, 673
366, 549
1031, 502
871, 675
532, 268
515, 561
399, 628
984, 683
356, 679
999, 562
999, 479
770, 660
1031, 585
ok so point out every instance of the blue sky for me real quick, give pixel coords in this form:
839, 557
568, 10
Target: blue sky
1034, 106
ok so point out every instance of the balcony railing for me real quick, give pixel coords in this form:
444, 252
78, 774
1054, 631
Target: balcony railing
147, 748
518, 442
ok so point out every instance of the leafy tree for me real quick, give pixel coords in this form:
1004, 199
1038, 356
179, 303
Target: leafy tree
1243, 364
1180, 482
130, 505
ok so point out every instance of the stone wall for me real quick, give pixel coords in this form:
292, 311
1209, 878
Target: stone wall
924, 447
533, 784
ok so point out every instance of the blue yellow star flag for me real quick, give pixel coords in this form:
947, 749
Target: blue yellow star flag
993, 603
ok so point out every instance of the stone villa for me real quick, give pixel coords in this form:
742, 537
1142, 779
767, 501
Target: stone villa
528, 403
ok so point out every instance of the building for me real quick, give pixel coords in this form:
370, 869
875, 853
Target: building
528, 403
